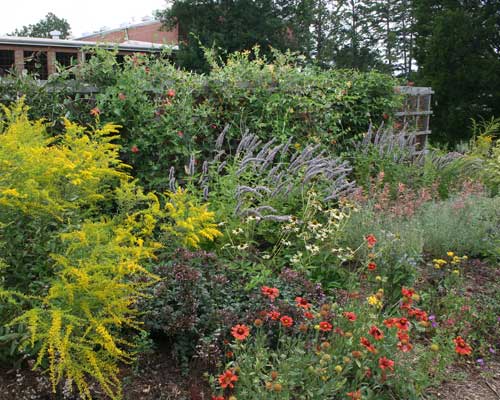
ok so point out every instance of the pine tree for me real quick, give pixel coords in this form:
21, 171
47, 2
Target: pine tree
458, 54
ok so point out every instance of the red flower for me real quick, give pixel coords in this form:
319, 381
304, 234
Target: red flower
384, 363
227, 378
121, 96
180, 134
213, 126
301, 302
461, 347
171, 93
355, 395
407, 292
365, 342
390, 322
274, 315
385, 116
308, 315
217, 397
418, 314
240, 332
286, 321
272, 293
350, 316
402, 324
403, 336
325, 326
371, 240
95, 111
372, 266
376, 333
134, 149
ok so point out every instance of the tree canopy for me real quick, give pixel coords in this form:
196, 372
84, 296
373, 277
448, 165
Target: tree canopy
42, 28
458, 54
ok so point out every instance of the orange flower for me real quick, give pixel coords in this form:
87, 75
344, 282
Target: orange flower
240, 332
227, 378
325, 326
301, 302
461, 347
274, 315
390, 322
217, 397
272, 293
95, 111
355, 395
356, 354
385, 363
372, 266
171, 93
402, 324
258, 322
371, 240
350, 316
376, 333
366, 343
286, 321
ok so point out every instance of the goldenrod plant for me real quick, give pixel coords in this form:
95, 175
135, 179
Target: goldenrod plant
190, 223
75, 232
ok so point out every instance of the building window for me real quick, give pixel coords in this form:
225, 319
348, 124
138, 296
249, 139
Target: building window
66, 59
7, 61
35, 62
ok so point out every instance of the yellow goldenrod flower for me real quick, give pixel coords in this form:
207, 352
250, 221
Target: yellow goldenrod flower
374, 301
450, 254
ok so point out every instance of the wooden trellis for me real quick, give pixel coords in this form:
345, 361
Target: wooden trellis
416, 112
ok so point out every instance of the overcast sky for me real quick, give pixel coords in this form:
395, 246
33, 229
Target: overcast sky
82, 15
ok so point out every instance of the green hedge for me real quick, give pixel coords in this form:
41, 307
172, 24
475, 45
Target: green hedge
168, 114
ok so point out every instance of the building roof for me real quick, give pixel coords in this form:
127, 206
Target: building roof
130, 45
121, 28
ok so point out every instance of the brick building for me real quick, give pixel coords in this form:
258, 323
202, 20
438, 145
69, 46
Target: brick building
149, 31
37, 55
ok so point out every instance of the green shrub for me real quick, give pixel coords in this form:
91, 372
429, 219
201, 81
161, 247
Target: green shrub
464, 225
168, 114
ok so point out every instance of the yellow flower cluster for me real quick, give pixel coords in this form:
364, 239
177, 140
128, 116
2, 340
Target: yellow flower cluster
376, 299
191, 223
453, 259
